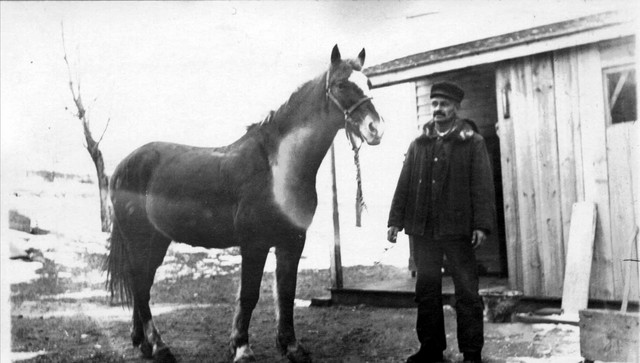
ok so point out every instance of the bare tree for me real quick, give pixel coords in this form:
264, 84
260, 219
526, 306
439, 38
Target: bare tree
92, 146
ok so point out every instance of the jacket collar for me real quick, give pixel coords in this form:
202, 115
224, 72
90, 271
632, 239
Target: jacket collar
463, 129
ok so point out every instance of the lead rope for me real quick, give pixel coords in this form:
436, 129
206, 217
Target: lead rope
360, 204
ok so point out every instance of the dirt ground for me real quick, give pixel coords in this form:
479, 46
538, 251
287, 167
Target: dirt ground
60, 311
68, 319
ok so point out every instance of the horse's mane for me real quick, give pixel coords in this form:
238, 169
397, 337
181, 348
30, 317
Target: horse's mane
296, 97
300, 94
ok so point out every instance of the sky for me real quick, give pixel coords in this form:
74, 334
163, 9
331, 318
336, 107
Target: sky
200, 72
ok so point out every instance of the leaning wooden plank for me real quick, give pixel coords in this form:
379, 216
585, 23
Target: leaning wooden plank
627, 269
621, 202
575, 294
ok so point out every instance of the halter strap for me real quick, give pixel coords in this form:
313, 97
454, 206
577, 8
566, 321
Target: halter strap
347, 112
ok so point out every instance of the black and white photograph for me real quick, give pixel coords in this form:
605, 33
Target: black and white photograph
319, 181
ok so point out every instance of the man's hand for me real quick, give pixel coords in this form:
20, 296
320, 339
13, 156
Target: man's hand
392, 234
478, 237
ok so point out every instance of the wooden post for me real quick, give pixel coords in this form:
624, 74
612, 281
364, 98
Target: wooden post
336, 260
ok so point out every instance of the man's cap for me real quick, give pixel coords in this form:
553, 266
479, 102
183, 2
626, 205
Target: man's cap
447, 90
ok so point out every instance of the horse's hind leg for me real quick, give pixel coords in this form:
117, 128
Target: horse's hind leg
146, 257
287, 259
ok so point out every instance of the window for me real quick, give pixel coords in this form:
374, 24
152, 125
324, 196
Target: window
620, 92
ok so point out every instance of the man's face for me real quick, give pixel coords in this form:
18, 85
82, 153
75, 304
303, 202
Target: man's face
443, 109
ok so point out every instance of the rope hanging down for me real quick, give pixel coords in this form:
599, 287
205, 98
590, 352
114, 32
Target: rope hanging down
360, 204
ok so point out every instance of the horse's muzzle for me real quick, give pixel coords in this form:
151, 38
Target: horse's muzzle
372, 130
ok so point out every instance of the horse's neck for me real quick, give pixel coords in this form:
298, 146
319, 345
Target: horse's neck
295, 160
301, 151
303, 145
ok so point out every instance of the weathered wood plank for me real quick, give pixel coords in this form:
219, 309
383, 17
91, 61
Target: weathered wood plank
524, 115
509, 176
621, 200
575, 295
569, 142
604, 280
547, 177
609, 336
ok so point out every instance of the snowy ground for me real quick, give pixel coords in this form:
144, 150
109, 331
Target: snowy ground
69, 210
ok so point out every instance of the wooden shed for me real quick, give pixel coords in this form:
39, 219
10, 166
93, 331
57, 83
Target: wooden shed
557, 105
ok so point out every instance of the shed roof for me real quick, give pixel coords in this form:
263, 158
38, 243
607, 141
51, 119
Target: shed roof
504, 41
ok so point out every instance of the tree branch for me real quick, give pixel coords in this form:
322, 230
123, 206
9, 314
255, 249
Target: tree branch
103, 131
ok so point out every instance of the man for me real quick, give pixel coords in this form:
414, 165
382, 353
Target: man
444, 201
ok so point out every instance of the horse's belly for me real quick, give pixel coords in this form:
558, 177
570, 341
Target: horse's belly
192, 221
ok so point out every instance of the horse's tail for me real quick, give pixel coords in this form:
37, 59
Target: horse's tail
118, 269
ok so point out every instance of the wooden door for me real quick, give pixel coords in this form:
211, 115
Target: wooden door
557, 148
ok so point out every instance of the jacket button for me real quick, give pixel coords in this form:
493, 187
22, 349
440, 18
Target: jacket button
433, 182
436, 159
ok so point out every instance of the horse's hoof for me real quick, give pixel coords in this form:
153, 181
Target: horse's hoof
136, 338
297, 354
243, 354
146, 349
164, 355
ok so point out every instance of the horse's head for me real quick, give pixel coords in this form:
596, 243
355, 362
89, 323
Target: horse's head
348, 88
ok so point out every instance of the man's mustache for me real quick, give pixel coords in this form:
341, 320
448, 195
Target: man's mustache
438, 114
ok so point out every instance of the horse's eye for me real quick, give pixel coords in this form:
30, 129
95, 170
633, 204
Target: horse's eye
341, 85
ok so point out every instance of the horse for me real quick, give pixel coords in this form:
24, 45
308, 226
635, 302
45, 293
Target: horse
256, 193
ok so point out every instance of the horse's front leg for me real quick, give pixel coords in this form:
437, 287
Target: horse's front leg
253, 260
287, 258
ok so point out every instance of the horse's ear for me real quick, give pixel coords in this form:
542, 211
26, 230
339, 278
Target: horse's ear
361, 57
335, 55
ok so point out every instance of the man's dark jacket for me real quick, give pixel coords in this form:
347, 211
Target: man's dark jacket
461, 194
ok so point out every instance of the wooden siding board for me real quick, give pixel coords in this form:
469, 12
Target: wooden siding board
567, 126
523, 113
509, 180
621, 205
549, 215
596, 179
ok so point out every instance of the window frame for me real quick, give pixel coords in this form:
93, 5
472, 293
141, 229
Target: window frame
605, 82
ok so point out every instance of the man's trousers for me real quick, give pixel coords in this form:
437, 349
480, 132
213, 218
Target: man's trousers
428, 255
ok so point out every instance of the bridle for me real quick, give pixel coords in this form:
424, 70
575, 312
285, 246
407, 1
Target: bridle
346, 111
349, 123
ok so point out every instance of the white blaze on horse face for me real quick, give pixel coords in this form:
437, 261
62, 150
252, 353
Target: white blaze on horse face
360, 80
285, 181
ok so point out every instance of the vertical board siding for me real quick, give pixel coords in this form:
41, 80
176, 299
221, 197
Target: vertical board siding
523, 114
509, 175
604, 279
565, 65
622, 209
556, 150
549, 214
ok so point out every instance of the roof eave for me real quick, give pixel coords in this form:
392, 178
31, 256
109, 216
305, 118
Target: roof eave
552, 36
